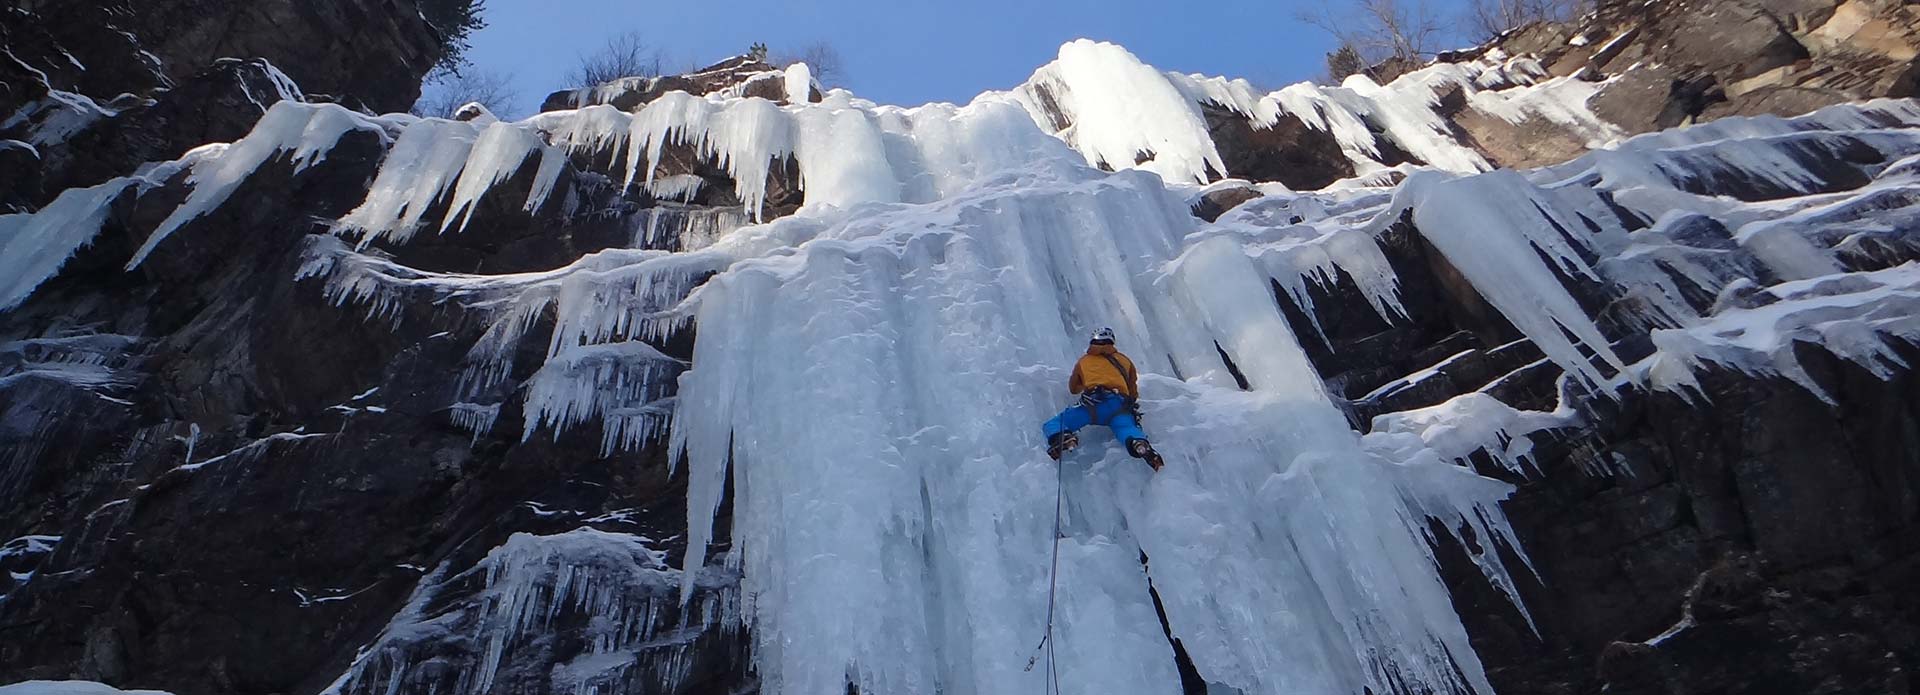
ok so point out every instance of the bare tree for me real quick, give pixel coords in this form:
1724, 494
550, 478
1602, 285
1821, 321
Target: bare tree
446, 91
822, 59
1399, 33
623, 55
1492, 18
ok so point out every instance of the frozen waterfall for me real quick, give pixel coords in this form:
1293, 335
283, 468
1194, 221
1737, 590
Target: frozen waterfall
870, 372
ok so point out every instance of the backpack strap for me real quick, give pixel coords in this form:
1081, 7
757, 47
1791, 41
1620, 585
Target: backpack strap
1125, 373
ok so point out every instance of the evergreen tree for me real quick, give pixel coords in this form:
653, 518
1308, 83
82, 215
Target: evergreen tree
456, 20
1344, 61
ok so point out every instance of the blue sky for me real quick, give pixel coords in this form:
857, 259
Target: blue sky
909, 51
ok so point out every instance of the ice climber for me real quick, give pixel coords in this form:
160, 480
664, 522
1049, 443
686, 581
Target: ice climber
1109, 391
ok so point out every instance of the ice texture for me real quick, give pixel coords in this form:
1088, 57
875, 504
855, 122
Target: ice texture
634, 631
937, 512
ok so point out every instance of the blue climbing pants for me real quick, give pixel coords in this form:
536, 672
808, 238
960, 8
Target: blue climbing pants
1111, 411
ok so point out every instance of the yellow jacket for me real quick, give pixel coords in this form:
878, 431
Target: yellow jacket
1095, 371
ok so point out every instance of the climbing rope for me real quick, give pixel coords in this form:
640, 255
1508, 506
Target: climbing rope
1053, 583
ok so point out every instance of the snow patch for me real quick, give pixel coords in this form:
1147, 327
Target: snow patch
70, 688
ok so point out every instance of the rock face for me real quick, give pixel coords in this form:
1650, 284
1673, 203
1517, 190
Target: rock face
361, 52
218, 476
1759, 545
355, 482
95, 89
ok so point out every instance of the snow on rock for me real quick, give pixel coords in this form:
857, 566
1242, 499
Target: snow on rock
1474, 422
70, 688
475, 111
1562, 100
56, 117
33, 247
1852, 315
798, 81
305, 131
1119, 109
21, 558
42, 380
1119, 112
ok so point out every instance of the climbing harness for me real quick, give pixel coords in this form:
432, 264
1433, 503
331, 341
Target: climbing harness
1053, 583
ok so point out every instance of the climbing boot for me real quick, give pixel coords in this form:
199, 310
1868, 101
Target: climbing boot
1058, 445
1140, 449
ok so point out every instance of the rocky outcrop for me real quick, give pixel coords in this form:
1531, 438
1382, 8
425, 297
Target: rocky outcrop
1672, 62
1289, 152
739, 75
1546, 93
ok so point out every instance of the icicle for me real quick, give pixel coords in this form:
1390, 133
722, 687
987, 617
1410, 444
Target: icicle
498, 152
614, 587
474, 417
423, 164
33, 247
308, 130
1488, 226
678, 187
621, 382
